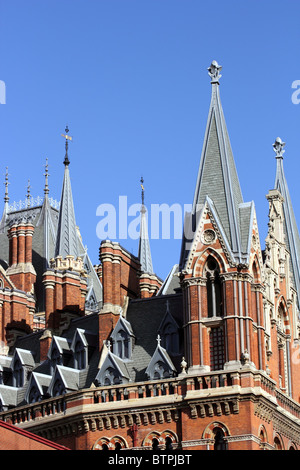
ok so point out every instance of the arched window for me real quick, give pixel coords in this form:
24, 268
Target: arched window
170, 338
213, 288
58, 388
34, 394
155, 444
277, 444
219, 441
169, 445
111, 377
122, 345
283, 344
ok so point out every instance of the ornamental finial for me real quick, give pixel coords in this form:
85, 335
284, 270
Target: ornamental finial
278, 147
68, 138
46, 174
28, 193
6, 198
143, 190
214, 72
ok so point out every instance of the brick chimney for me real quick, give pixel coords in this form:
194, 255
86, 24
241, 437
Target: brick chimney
21, 271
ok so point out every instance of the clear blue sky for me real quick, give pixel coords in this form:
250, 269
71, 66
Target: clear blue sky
130, 79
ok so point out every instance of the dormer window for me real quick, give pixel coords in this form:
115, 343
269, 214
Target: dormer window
79, 356
18, 374
58, 388
56, 359
122, 339
121, 345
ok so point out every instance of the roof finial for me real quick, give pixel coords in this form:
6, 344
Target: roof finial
278, 147
46, 174
6, 198
67, 137
28, 194
143, 190
214, 72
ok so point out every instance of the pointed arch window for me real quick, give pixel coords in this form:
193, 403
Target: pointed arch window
213, 288
283, 344
219, 441
58, 388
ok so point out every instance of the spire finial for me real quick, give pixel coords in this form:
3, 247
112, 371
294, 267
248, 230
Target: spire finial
214, 72
6, 198
67, 137
46, 174
28, 194
143, 190
278, 147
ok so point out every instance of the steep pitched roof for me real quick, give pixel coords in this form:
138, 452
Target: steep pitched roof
217, 181
144, 253
66, 239
290, 226
217, 176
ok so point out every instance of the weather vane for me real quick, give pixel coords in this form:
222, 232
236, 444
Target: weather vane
67, 138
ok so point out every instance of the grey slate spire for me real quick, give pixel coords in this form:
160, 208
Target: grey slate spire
290, 225
217, 176
144, 253
66, 241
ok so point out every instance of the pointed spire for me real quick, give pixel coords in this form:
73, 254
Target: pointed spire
217, 177
144, 254
66, 241
290, 226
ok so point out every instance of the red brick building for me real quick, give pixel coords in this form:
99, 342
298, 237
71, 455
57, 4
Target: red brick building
111, 357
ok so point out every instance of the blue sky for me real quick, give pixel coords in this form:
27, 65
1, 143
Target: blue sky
129, 77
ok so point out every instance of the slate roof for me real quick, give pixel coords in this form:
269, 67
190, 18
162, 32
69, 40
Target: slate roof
145, 317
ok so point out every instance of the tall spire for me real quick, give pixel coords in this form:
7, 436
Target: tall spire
66, 241
290, 225
217, 177
144, 254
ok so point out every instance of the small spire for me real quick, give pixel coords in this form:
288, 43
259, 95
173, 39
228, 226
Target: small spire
278, 147
46, 174
214, 72
158, 339
28, 194
68, 138
6, 198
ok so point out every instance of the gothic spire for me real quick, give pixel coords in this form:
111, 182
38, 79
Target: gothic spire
66, 240
290, 225
217, 177
144, 253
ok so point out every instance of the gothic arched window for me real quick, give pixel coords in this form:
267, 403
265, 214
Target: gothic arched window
58, 388
213, 288
219, 441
